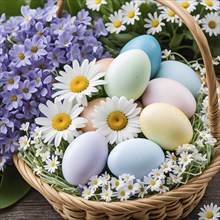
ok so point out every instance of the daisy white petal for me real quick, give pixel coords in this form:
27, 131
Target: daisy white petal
211, 4
209, 212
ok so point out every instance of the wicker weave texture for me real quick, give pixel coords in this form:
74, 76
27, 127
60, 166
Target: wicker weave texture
173, 205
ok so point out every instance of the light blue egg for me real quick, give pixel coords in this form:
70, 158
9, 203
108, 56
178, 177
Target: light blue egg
150, 46
136, 157
180, 72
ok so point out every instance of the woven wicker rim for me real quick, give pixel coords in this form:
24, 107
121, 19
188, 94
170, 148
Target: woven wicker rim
190, 193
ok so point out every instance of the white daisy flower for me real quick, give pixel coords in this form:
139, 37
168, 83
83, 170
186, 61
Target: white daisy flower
38, 170
95, 182
173, 179
169, 15
106, 194
132, 187
189, 5
162, 188
51, 164
116, 183
211, 4
95, 5
152, 183
59, 153
167, 166
154, 23
171, 156
117, 23
77, 81
105, 177
127, 177
130, 12
166, 54
186, 147
61, 121
158, 173
211, 24
209, 212
36, 134
117, 119
2, 163
199, 157
45, 155
123, 194
24, 143
179, 169
87, 192
185, 158
25, 126
142, 191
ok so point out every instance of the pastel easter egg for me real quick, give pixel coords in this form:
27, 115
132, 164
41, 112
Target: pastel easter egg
87, 114
104, 64
171, 92
84, 157
135, 156
180, 72
128, 75
150, 46
166, 125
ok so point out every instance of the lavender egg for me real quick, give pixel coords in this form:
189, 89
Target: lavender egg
84, 157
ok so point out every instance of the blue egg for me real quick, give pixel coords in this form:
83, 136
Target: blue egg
136, 157
180, 72
150, 46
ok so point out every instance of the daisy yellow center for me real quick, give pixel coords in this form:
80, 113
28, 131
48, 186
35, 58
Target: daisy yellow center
209, 215
209, 3
185, 4
212, 24
174, 157
131, 14
95, 182
14, 98
97, 2
21, 56
171, 13
185, 159
107, 194
117, 183
11, 81
165, 166
25, 142
34, 49
61, 121
122, 193
117, 120
155, 23
88, 193
153, 182
130, 187
142, 189
117, 23
79, 84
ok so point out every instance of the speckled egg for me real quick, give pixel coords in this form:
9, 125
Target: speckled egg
87, 114
150, 46
166, 125
135, 156
84, 157
171, 92
128, 75
180, 72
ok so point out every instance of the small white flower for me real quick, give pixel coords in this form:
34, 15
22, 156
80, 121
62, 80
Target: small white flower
117, 119
123, 194
38, 170
51, 164
154, 23
162, 188
95, 182
196, 66
179, 169
211, 24
95, 5
87, 192
127, 177
36, 134
185, 158
2, 163
132, 187
173, 179
116, 183
130, 12
152, 183
199, 157
24, 143
45, 155
78, 82
167, 166
189, 5
59, 153
142, 191
105, 177
209, 212
106, 194
117, 23
158, 173
61, 121
169, 16
171, 156
186, 147
166, 54
25, 126
211, 4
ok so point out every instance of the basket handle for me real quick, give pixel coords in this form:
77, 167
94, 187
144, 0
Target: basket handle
213, 111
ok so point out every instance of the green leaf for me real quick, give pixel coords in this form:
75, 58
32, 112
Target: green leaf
11, 7
36, 4
12, 187
176, 40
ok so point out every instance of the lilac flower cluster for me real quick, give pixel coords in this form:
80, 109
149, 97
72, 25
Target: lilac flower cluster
32, 46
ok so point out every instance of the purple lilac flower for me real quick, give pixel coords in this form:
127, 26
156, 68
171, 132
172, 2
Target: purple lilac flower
74, 52
59, 27
28, 15
27, 89
57, 56
12, 25
83, 17
20, 56
100, 28
12, 99
42, 32
35, 47
51, 13
64, 39
11, 82
5, 123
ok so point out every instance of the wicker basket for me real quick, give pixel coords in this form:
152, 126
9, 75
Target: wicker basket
175, 204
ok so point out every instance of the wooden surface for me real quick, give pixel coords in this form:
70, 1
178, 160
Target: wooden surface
34, 206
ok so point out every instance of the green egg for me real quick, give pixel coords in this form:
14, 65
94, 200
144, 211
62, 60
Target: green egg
128, 75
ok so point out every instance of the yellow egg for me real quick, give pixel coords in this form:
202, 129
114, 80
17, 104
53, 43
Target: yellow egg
166, 125
87, 113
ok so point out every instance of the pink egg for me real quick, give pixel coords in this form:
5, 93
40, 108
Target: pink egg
163, 90
104, 63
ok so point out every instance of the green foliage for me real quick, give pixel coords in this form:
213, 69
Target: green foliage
12, 187
37, 3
